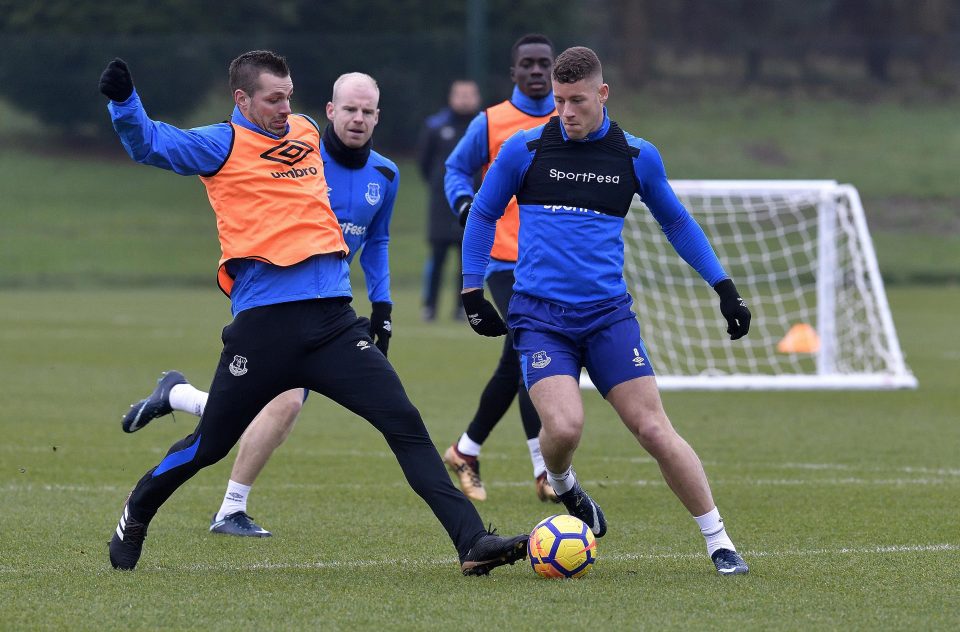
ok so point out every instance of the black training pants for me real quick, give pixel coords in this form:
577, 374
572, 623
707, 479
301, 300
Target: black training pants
433, 275
323, 346
506, 381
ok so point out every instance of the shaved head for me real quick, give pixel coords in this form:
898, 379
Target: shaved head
354, 108
354, 79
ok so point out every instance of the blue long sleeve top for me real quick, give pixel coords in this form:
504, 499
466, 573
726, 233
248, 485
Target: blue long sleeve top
203, 150
363, 201
574, 256
473, 152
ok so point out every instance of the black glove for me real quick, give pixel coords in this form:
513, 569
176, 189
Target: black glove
733, 308
462, 208
116, 82
482, 315
380, 326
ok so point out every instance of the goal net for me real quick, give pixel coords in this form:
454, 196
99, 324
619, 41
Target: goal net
801, 255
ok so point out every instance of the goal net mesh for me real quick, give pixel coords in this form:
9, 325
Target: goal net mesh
802, 259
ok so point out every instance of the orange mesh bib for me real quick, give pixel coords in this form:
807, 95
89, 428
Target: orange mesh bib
271, 200
503, 121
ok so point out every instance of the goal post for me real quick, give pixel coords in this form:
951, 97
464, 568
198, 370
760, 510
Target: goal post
801, 255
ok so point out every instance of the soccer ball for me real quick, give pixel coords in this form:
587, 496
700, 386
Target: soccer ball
562, 547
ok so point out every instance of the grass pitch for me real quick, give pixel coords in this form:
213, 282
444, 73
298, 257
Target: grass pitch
844, 504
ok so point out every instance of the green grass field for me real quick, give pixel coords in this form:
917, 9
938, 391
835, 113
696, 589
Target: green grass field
843, 503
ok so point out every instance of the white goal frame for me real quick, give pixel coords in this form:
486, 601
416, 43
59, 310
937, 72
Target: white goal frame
835, 204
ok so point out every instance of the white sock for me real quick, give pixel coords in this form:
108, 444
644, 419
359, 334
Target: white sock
711, 526
562, 483
234, 500
539, 467
468, 446
188, 399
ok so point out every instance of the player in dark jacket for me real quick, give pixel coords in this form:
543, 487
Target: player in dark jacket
440, 134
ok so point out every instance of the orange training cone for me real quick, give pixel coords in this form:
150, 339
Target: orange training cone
801, 338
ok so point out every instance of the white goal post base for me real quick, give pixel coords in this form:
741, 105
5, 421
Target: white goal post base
864, 382
801, 256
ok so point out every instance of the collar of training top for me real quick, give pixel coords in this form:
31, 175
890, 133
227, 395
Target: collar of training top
347, 156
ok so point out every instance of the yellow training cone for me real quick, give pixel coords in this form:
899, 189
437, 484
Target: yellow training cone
800, 339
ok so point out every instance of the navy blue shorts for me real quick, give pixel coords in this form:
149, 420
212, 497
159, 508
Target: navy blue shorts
554, 339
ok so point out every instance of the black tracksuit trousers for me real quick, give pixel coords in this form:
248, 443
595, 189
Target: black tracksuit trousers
321, 345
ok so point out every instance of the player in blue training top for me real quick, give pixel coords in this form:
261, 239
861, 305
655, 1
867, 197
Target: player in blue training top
530, 105
575, 178
283, 265
363, 188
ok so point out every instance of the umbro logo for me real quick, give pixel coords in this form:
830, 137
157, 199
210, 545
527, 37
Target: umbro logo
638, 360
289, 152
363, 344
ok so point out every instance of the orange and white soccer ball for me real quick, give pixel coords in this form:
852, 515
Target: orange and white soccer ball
562, 547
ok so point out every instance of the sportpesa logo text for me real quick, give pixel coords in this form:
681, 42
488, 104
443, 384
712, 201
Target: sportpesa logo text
585, 176
349, 228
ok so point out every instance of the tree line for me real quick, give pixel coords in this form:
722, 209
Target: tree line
54, 51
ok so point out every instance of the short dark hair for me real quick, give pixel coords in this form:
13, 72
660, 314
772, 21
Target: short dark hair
463, 82
529, 38
245, 70
575, 64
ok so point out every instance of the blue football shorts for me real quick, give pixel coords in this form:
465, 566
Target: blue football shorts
554, 339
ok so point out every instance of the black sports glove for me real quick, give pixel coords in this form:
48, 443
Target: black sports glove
733, 308
380, 326
116, 82
462, 208
482, 315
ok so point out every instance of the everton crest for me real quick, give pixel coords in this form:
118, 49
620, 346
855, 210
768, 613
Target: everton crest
239, 365
372, 196
540, 360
